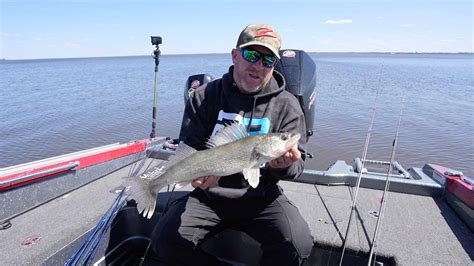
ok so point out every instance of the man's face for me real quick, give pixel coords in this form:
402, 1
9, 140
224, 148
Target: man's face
251, 77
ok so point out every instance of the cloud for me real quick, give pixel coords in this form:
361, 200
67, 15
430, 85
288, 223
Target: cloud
9, 34
339, 21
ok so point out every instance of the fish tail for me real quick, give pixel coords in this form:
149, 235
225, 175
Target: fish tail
140, 191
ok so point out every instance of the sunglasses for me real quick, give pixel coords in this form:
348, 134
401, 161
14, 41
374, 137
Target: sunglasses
253, 56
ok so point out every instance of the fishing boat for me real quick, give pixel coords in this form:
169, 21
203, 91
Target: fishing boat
71, 209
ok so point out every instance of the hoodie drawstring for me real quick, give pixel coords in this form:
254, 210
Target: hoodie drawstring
251, 114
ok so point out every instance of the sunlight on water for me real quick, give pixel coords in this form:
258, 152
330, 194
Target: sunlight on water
52, 107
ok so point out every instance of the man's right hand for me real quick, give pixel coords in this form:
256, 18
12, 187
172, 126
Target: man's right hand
205, 182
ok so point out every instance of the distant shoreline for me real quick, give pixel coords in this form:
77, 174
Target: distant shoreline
329, 53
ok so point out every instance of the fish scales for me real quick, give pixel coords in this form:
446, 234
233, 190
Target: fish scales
231, 151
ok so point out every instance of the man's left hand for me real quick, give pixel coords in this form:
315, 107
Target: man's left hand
205, 182
287, 159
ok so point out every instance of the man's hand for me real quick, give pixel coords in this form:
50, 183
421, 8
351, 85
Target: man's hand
205, 182
287, 159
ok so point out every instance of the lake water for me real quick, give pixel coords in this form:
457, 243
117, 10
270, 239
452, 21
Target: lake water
53, 107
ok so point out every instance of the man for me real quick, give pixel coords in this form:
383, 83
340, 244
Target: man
253, 94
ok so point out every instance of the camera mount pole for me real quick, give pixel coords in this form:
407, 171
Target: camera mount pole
156, 56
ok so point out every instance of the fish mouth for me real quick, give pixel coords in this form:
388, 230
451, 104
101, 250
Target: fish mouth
295, 137
292, 139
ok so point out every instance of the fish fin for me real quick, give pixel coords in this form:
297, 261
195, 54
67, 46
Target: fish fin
139, 190
228, 134
181, 184
252, 175
182, 151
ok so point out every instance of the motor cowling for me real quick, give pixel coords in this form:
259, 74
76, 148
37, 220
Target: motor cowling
299, 71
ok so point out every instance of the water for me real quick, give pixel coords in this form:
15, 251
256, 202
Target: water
53, 107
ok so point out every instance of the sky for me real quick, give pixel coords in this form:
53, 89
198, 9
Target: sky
96, 28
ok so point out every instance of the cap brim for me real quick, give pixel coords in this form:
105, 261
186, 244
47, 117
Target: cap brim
274, 51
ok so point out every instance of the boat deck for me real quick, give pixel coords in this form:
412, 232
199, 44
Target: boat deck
415, 230
59, 222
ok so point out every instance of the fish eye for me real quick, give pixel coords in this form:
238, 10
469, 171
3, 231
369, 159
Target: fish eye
284, 137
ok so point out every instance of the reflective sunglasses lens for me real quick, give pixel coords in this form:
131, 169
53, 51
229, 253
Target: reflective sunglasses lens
250, 55
269, 61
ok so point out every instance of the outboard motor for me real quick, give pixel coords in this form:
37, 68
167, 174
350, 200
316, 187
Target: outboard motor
193, 82
299, 71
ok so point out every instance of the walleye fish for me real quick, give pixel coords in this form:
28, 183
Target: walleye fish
231, 150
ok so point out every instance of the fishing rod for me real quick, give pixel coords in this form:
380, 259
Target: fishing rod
359, 177
387, 185
155, 40
85, 253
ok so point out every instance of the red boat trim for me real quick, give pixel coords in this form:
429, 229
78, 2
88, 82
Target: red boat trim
22, 174
37, 175
462, 190
456, 185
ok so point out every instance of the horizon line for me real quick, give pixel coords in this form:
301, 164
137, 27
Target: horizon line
185, 54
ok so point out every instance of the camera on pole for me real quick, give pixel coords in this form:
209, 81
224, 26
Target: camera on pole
155, 40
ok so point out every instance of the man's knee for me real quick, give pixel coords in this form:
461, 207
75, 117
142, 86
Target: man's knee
292, 249
287, 252
165, 237
304, 245
303, 240
296, 241
299, 247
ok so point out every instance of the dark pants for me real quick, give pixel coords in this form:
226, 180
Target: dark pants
274, 222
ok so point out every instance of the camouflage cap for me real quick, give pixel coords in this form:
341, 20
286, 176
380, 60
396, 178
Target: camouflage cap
260, 34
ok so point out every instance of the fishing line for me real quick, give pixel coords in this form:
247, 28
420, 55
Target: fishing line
364, 156
387, 185
334, 222
108, 224
164, 211
134, 172
142, 259
136, 167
